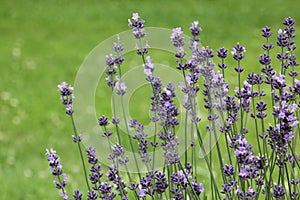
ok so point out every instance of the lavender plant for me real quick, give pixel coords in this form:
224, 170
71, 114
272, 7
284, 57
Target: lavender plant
268, 168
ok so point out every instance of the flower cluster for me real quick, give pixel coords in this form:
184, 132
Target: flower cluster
101, 189
281, 135
112, 64
56, 170
143, 142
137, 26
66, 94
255, 133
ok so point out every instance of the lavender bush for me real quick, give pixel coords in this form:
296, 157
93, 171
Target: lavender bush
266, 169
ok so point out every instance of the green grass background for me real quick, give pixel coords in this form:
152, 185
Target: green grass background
44, 42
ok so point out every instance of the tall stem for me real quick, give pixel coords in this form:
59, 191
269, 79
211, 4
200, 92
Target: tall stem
81, 154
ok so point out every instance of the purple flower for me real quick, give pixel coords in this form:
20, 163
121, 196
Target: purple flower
77, 139
195, 30
110, 70
228, 170
243, 150
64, 195
267, 47
55, 165
107, 133
106, 191
295, 181
254, 79
233, 108
169, 145
250, 165
143, 51
222, 53
92, 195
77, 195
177, 38
168, 111
226, 188
289, 21
133, 186
156, 85
296, 88
114, 176
198, 56
222, 66
117, 150
247, 175
283, 132
120, 88
103, 121
142, 141
95, 174
265, 59
118, 48
279, 81
143, 151
115, 120
95, 169
218, 86
282, 56
188, 166
278, 191
137, 26
180, 178
260, 107
113, 62
266, 32
238, 52
197, 187
66, 93
110, 61
282, 39
208, 53
244, 174
161, 183
142, 193
91, 153
207, 72
178, 41
57, 172
148, 67
146, 181
177, 194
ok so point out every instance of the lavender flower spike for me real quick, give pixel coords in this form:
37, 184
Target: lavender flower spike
120, 88
177, 38
56, 169
238, 52
148, 67
195, 30
66, 96
137, 26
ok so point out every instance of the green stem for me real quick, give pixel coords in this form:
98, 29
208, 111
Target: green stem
81, 154
129, 137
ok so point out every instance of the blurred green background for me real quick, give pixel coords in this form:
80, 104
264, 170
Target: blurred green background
44, 42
